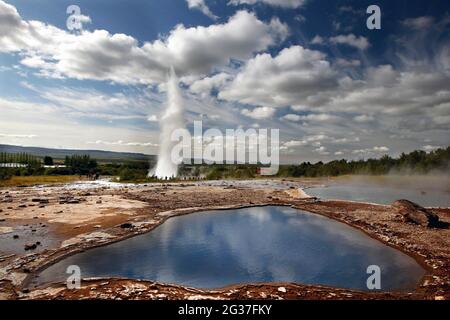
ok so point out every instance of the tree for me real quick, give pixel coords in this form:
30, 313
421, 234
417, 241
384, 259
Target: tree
81, 164
417, 161
48, 161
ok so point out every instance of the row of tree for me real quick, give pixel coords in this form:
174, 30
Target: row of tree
19, 158
80, 164
22, 164
416, 162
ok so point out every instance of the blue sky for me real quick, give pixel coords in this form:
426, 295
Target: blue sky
310, 68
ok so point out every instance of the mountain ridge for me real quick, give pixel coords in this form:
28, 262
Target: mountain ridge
62, 153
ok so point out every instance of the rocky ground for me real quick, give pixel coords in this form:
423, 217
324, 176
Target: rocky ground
39, 226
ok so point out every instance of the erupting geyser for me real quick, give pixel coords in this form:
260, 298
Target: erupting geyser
171, 120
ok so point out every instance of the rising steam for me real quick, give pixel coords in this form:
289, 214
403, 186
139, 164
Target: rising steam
171, 119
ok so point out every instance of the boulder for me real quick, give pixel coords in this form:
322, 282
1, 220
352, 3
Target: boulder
126, 225
30, 246
40, 200
413, 213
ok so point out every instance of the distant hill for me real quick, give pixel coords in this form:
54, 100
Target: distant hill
99, 155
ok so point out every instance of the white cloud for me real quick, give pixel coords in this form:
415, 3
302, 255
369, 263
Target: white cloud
300, 18
293, 75
52, 126
336, 99
322, 150
323, 117
123, 143
318, 40
259, 113
205, 85
26, 136
311, 117
292, 117
351, 40
348, 62
363, 118
90, 103
277, 3
152, 118
368, 151
429, 148
415, 99
201, 5
294, 143
381, 149
419, 23
99, 55
317, 141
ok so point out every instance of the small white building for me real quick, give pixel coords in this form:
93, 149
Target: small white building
12, 165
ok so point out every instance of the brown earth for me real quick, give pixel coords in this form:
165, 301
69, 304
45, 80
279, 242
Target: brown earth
66, 221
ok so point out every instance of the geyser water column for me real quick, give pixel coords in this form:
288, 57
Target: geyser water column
171, 120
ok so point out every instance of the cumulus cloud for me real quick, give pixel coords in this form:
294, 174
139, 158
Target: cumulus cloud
322, 150
293, 75
351, 40
277, 3
381, 149
348, 62
201, 5
311, 117
317, 142
415, 99
292, 117
409, 96
429, 148
331, 100
206, 84
99, 55
259, 113
368, 151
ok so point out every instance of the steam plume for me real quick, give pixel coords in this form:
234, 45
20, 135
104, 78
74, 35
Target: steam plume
171, 119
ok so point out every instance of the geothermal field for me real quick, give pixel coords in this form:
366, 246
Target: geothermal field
126, 239
224, 155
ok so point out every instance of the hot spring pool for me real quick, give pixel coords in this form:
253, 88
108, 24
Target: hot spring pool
381, 194
262, 244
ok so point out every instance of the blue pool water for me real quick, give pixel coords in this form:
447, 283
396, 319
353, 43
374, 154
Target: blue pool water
263, 244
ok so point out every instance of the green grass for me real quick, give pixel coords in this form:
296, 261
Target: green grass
37, 180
